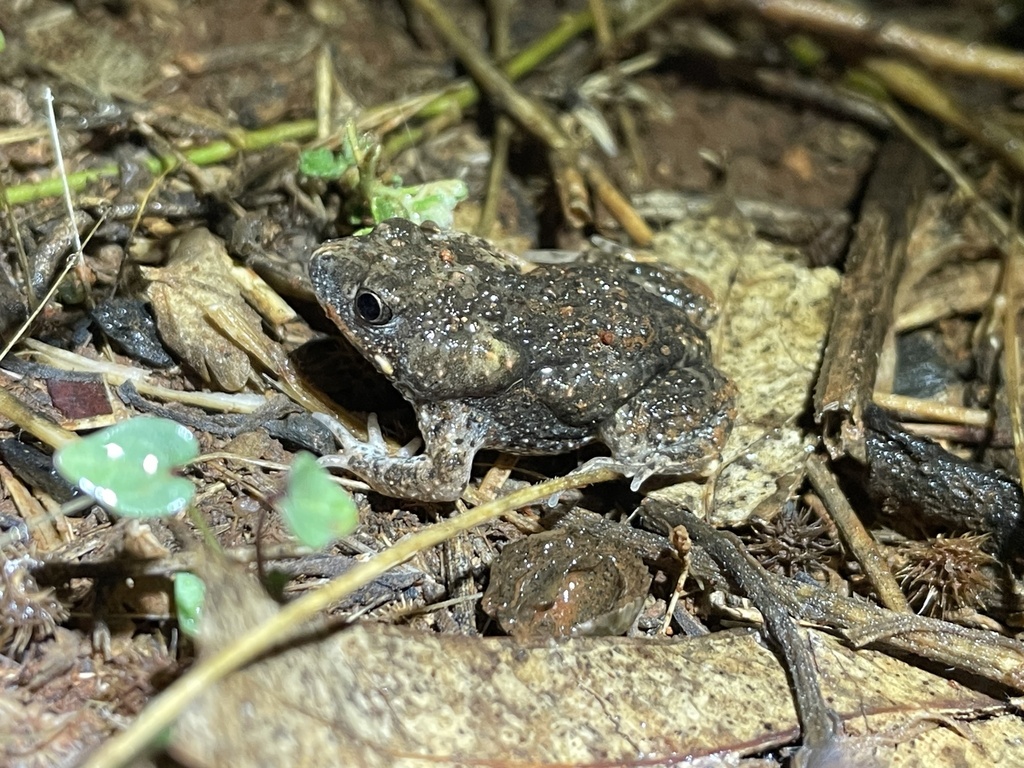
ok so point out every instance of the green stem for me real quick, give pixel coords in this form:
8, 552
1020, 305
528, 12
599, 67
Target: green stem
215, 152
467, 94
460, 97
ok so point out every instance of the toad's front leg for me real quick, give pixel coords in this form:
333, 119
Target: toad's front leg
441, 473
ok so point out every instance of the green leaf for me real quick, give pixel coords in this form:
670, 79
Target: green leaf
354, 150
189, 595
127, 467
323, 164
434, 202
314, 508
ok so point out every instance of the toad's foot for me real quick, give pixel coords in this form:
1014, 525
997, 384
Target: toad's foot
439, 474
640, 473
374, 439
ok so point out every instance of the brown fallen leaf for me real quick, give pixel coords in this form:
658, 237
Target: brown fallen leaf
196, 282
373, 695
78, 399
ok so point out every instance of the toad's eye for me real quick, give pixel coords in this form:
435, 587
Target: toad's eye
371, 309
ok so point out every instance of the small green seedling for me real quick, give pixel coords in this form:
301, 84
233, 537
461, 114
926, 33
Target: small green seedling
358, 152
434, 201
321, 163
189, 594
314, 508
354, 166
128, 468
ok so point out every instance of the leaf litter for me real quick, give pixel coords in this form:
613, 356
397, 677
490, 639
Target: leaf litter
678, 700
376, 695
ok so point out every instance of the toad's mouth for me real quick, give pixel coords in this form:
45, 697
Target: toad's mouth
382, 363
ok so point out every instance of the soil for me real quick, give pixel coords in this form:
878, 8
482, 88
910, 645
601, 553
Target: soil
88, 626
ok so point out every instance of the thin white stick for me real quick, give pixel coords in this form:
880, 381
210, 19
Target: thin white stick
79, 256
51, 120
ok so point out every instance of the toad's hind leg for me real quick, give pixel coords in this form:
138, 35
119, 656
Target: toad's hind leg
676, 425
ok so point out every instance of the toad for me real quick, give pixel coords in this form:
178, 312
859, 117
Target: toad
565, 583
538, 361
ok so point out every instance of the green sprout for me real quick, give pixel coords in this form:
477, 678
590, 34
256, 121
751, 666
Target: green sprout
354, 166
313, 507
189, 595
129, 467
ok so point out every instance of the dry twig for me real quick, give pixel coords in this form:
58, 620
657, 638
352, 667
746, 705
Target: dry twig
855, 23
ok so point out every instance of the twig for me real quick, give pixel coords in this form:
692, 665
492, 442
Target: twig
617, 204
858, 541
34, 423
500, 12
631, 138
913, 85
605, 36
1011, 339
863, 308
958, 433
932, 410
116, 374
19, 245
500, 143
573, 194
826, 96
853, 22
977, 652
58, 155
602, 26
322, 93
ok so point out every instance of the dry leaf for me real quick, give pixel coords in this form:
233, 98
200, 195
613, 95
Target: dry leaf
196, 281
373, 695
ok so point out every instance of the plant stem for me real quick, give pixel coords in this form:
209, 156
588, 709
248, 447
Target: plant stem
207, 154
462, 96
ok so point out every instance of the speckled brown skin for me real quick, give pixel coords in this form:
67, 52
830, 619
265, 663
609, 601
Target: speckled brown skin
531, 363
566, 583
